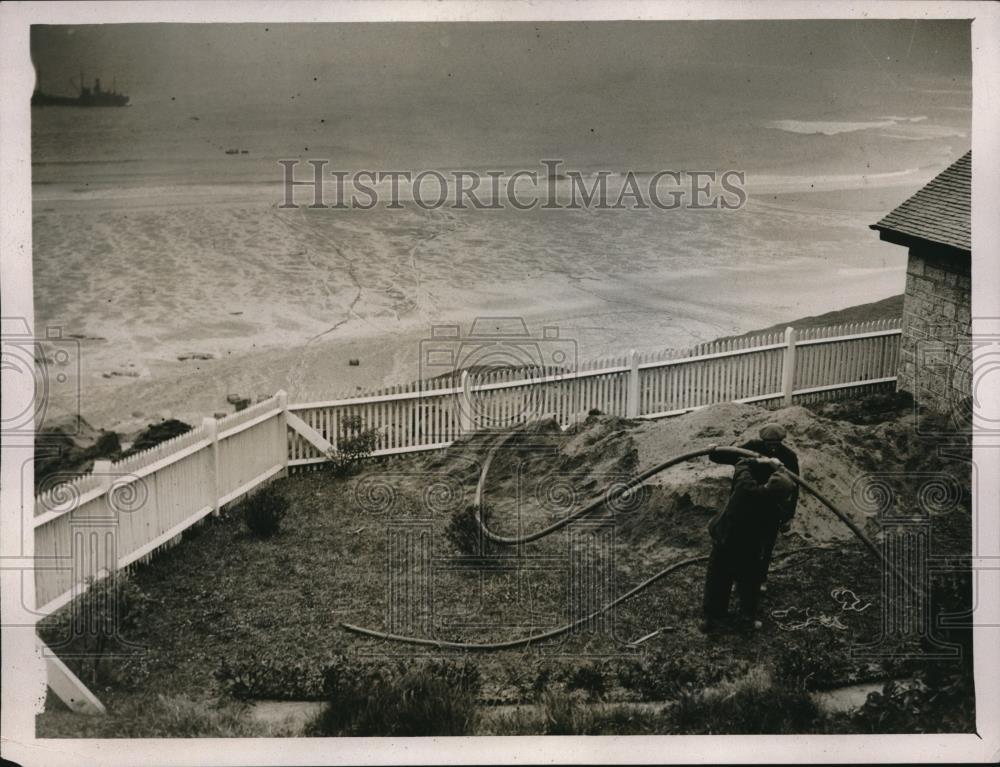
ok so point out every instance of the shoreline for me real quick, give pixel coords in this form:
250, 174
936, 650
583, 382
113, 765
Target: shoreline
200, 389
174, 302
128, 192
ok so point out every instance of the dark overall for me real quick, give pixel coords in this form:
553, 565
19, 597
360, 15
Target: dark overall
741, 534
790, 461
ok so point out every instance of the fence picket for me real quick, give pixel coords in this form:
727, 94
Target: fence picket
733, 374
699, 376
176, 474
869, 353
707, 395
713, 392
743, 365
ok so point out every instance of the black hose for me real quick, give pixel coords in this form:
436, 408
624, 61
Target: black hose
593, 505
525, 641
511, 643
606, 498
639, 480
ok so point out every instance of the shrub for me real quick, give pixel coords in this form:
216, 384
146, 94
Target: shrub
435, 698
748, 706
661, 676
820, 663
932, 702
541, 682
590, 679
95, 626
264, 510
269, 679
464, 534
564, 715
354, 444
156, 433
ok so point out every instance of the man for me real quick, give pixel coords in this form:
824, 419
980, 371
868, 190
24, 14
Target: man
771, 444
739, 535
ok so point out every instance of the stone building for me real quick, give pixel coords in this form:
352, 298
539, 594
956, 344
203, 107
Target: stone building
935, 353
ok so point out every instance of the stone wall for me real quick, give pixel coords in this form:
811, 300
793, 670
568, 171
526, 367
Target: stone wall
935, 353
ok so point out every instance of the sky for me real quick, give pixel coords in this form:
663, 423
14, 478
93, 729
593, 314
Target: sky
445, 94
190, 58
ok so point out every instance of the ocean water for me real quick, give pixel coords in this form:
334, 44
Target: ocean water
763, 98
153, 143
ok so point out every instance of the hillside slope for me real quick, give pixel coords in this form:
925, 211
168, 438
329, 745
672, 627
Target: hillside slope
267, 615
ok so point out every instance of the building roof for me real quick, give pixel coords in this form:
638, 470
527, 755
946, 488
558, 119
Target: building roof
939, 214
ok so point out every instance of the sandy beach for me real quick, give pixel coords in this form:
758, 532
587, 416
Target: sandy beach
175, 297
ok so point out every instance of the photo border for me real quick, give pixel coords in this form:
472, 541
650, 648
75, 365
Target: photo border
23, 670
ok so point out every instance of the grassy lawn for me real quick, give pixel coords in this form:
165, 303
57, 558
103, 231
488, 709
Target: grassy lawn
232, 616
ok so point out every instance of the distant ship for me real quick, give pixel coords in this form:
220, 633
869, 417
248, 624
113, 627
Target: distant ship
88, 97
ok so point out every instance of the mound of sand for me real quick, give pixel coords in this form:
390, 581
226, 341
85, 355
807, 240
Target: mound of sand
838, 457
564, 469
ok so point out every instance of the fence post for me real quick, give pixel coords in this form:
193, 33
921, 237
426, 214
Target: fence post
211, 429
632, 403
282, 398
788, 367
465, 419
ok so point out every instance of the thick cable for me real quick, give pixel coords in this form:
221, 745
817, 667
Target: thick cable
641, 479
525, 641
590, 507
626, 487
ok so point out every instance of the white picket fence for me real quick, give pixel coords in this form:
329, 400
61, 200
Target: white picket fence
123, 512
770, 369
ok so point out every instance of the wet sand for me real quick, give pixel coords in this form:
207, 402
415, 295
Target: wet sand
179, 296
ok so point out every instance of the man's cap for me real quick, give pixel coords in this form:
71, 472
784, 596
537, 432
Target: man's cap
772, 431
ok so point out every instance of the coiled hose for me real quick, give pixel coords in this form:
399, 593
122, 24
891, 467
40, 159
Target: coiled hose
640, 479
609, 496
